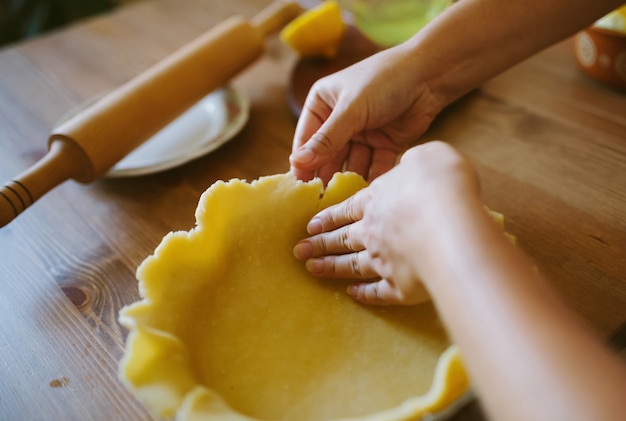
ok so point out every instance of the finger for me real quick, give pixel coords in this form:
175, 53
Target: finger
336, 216
319, 148
326, 172
384, 292
382, 161
359, 159
300, 174
339, 241
305, 160
374, 293
313, 115
346, 266
318, 106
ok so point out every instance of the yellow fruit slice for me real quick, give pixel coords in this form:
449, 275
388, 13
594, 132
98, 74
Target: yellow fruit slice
316, 32
614, 21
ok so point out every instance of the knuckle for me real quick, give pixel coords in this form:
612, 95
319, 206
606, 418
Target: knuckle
374, 292
335, 215
330, 266
344, 239
352, 209
322, 244
315, 94
323, 142
355, 265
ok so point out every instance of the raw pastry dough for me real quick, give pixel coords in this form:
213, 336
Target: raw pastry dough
232, 327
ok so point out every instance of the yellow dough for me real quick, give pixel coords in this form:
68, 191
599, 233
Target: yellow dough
232, 327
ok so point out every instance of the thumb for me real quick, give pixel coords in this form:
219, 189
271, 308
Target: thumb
316, 145
374, 293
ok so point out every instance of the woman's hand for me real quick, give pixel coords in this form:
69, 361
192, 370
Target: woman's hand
380, 233
361, 118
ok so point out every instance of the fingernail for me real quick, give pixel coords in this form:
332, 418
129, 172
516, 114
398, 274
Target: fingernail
314, 226
315, 265
302, 250
302, 156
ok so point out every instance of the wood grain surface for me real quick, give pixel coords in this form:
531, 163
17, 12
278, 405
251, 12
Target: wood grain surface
549, 143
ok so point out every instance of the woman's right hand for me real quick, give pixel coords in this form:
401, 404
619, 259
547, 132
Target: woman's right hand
363, 117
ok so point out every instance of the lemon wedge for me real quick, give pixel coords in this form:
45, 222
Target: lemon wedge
317, 32
614, 21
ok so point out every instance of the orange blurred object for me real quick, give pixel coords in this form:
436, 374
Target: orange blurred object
601, 54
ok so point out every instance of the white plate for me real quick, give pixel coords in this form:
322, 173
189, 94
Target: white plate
204, 127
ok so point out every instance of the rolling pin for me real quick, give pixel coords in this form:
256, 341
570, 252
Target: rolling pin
85, 147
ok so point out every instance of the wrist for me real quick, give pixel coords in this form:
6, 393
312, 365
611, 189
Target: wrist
438, 64
453, 223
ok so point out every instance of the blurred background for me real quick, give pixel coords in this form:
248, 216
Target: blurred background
21, 19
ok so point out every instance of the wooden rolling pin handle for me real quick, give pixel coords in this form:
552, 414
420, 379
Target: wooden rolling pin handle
63, 161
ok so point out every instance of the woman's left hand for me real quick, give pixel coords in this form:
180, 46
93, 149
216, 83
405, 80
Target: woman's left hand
376, 235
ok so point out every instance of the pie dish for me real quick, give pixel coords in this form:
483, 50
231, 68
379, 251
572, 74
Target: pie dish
232, 327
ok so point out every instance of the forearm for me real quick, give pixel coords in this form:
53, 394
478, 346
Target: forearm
528, 355
475, 40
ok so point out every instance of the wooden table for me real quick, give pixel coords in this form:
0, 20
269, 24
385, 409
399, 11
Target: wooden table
550, 145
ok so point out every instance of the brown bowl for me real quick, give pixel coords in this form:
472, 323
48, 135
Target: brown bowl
601, 54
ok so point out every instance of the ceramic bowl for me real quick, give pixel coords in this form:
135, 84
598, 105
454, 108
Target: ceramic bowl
601, 54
